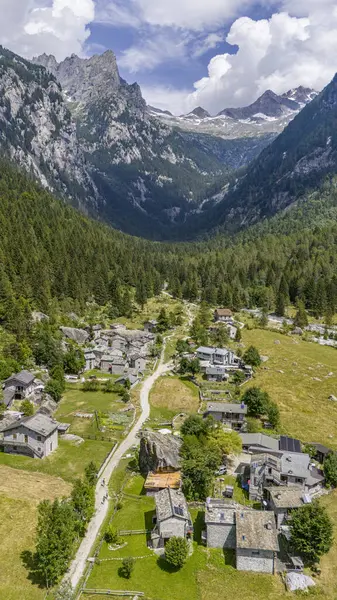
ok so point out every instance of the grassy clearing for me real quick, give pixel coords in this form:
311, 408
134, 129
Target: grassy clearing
20, 492
151, 311
176, 394
289, 377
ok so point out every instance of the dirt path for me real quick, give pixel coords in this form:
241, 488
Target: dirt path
77, 567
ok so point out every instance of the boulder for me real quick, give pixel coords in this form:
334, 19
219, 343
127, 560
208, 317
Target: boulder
333, 398
158, 451
80, 336
37, 316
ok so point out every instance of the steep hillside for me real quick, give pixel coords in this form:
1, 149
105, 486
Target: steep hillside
297, 161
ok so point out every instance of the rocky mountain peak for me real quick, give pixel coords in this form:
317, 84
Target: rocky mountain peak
199, 112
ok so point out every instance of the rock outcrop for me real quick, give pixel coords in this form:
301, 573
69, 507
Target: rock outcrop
80, 336
159, 452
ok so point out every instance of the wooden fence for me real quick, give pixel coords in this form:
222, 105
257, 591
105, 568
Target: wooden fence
111, 593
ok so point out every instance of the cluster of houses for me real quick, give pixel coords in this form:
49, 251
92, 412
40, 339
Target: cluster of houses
119, 351
281, 477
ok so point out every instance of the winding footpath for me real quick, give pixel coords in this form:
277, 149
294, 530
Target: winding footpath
77, 567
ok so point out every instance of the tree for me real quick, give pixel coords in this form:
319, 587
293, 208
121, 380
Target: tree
239, 377
162, 321
252, 357
311, 531
83, 500
257, 401
182, 346
8, 367
195, 425
273, 414
301, 317
55, 389
73, 361
330, 469
176, 552
111, 535
229, 442
108, 386
263, 322
219, 336
27, 408
56, 534
128, 565
57, 373
238, 335
91, 472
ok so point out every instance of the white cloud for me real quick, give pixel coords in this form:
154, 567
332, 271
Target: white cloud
279, 53
34, 26
155, 49
208, 43
167, 98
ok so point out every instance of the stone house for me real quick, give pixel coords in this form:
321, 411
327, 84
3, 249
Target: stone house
255, 443
151, 326
256, 541
283, 500
19, 386
220, 524
231, 414
172, 517
34, 436
132, 378
114, 365
216, 373
90, 360
223, 315
137, 362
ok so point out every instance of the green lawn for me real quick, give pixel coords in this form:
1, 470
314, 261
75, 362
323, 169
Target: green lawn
297, 377
68, 461
171, 396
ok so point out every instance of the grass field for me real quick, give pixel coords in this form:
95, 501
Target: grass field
298, 378
208, 573
171, 396
20, 493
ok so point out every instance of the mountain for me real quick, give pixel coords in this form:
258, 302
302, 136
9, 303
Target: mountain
298, 161
149, 177
37, 131
267, 116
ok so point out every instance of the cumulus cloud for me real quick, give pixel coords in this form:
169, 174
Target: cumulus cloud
34, 26
167, 98
279, 53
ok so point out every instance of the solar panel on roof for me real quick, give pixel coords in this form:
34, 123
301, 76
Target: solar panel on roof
178, 511
288, 444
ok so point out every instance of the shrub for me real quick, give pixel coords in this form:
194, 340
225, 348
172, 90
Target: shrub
252, 357
176, 552
127, 567
111, 536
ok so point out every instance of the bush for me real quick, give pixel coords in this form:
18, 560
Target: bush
55, 389
90, 386
27, 408
108, 386
273, 415
252, 357
111, 536
127, 567
176, 552
330, 469
257, 400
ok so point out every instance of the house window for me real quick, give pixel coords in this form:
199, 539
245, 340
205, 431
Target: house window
26, 439
15, 437
284, 478
51, 446
255, 553
39, 438
298, 480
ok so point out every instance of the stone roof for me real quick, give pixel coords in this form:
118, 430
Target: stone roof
259, 439
295, 464
206, 350
220, 370
113, 359
8, 395
256, 530
235, 408
24, 377
320, 448
40, 423
286, 497
219, 513
171, 503
89, 356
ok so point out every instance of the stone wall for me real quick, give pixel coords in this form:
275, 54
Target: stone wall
259, 561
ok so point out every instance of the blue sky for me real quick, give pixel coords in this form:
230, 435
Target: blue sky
185, 53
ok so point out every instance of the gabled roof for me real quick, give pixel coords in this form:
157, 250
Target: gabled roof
259, 439
223, 312
235, 408
24, 377
114, 360
89, 356
256, 530
39, 423
171, 503
287, 496
295, 464
206, 350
